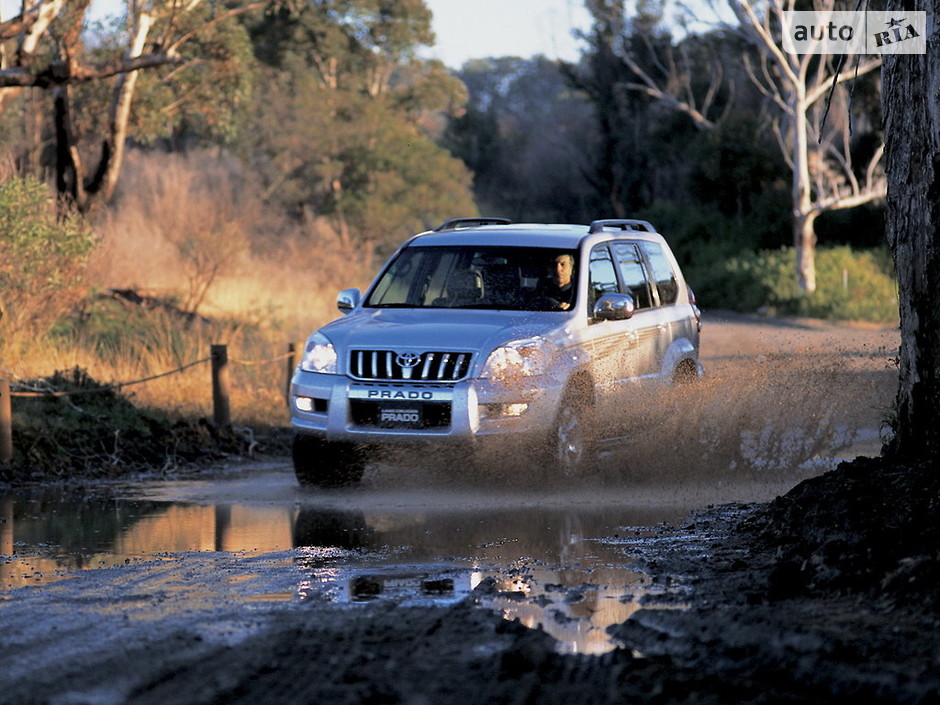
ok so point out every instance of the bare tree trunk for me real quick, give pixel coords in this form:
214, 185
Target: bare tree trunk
70, 170
801, 83
804, 244
804, 216
912, 147
112, 153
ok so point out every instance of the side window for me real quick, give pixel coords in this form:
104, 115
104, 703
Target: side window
633, 274
603, 276
663, 274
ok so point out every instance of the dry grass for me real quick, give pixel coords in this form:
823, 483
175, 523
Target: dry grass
191, 229
269, 270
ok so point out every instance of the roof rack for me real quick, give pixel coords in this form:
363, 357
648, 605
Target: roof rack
641, 225
457, 223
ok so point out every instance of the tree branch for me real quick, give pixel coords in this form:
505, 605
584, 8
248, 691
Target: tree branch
174, 47
57, 74
820, 89
650, 88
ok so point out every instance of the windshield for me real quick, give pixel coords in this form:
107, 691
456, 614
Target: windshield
480, 277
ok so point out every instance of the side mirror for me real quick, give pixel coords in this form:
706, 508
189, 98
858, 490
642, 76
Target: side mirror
347, 300
614, 307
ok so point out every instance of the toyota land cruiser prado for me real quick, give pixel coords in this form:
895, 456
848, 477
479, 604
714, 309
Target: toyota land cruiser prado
483, 329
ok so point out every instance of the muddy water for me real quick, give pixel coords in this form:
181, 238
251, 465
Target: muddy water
780, 403
549, 559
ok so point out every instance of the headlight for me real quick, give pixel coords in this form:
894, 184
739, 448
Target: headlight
524, 358
319, 355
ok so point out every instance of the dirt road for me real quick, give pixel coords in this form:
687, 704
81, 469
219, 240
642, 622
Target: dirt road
210, 625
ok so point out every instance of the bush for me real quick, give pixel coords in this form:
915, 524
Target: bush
99, 432
850, 285
42, 258
727, 263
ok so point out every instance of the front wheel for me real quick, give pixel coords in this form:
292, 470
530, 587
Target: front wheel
573, 437
320, 463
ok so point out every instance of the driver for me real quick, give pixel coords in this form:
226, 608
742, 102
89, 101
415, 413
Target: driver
559, 286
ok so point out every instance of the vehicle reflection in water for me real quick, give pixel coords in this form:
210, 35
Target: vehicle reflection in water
543, 564
548, 567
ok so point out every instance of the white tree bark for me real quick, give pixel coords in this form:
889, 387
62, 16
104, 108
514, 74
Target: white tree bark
122, 100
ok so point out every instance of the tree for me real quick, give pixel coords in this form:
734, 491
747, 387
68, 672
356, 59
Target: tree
833, 166
653, 99
342, 133
813, 126
912, 146
50, 54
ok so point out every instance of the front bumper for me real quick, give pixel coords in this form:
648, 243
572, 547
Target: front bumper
336, 408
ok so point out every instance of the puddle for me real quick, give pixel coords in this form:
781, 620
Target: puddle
546, 560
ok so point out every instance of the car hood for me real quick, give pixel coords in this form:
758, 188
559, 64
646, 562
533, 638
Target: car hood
440, 329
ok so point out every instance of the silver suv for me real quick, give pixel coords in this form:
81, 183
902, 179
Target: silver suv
483, 330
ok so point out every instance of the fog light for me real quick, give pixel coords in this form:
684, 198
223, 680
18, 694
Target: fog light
303, 403
496, 411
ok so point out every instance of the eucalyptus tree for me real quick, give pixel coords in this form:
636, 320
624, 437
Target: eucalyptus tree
655, 100
195, 47
813, 125
346, 116
821, 134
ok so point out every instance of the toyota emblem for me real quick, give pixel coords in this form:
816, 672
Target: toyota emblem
408, 360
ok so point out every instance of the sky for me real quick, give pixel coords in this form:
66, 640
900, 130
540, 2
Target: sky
473, 29
470, 29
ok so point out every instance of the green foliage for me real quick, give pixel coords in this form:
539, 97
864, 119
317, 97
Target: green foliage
339, 132
208, 97
42, 257
851, 285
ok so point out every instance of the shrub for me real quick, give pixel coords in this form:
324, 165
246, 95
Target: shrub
850, 285
729, 265
42, 258
98, 432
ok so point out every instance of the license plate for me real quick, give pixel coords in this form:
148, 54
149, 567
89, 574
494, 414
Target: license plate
394, 416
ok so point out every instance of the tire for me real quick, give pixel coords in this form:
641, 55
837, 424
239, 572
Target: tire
319, 463
572, 441
686, 372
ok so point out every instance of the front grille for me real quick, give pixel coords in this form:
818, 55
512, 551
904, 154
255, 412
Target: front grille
431, 366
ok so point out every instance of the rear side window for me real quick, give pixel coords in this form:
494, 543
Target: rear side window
633, 273
663, 274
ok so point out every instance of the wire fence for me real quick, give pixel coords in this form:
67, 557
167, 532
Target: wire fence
221, 409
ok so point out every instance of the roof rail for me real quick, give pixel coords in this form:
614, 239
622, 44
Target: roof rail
457, 223
641, 225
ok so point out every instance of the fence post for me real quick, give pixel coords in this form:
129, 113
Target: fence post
291, 362
6, 423
221, 411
